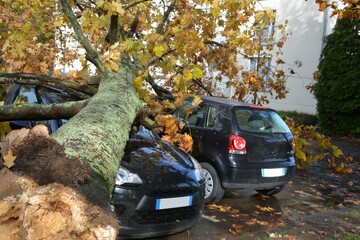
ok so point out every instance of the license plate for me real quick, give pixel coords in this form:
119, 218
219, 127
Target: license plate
273, 172
166, 203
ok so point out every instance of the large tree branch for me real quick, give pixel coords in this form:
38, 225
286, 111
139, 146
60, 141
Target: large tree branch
134, 25
158, 89
41, 111
91, 53
81, 91
114, 29
160, 28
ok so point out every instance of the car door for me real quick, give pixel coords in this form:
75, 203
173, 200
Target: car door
215, 133
193, 117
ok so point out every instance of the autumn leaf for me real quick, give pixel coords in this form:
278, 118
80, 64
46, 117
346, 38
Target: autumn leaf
186, 143
235, 229
187, 74
265, 209
138, 82
262, 223
197, 73
9, 159
196, 101
251, 222
336, 151
159, 51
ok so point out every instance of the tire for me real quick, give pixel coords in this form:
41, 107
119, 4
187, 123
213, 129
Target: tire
271, 191
213, 189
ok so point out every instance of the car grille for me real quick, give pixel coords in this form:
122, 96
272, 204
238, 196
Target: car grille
173, 192
163, 216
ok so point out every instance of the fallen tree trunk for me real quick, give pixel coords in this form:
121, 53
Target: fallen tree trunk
30, 211
83, 154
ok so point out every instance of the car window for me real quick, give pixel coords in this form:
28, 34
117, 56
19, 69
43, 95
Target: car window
192, 116
142, 132
211, 117
255, 120
26, 95
54, 96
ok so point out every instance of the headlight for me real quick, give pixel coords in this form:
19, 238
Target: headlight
124, 176
198, 169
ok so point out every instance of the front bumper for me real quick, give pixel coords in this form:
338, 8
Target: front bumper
139, 214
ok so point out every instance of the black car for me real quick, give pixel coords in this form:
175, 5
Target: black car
159, 189
28, 94
239, 145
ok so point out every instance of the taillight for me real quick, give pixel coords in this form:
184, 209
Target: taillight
293, 145
237, 145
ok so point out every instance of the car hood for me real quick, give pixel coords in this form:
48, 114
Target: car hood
159, 163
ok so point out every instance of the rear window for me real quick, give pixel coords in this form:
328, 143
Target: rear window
261, 121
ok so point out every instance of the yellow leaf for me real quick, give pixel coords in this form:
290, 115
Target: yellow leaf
187, 74
186, 143
159, 51
322, 6
325, 143
114, 66
138, 82
196, 101
197, 73
337, 152
300, 155
9, 159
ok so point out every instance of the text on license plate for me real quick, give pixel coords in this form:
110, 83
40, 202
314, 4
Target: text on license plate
273, 172
166, 203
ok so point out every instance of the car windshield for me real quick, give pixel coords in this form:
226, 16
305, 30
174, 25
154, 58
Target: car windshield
258, 120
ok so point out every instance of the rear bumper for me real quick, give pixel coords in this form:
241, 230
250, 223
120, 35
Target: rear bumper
250, 175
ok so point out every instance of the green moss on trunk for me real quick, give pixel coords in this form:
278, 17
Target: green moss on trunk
99, 132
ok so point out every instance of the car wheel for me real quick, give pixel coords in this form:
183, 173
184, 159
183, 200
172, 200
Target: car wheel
213, 189
271, 191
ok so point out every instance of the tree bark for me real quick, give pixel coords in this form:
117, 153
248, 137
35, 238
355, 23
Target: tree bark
93, 142
82, 91
41, 112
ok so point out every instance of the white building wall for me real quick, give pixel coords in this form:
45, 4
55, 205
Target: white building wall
308, 27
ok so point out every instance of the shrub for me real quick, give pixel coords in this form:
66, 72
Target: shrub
338, 87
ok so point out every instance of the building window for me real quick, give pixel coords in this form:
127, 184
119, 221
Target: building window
267, 33
266, 26
263, 67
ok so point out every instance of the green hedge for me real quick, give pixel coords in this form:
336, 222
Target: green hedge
338, 88
299, 118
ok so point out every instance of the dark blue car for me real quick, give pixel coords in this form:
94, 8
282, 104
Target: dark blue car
159, 189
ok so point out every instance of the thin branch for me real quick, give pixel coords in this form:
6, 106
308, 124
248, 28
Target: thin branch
154, 59
160, 27
200, 84
142, 118
210, 42
92, 54
214, 43
135, 3
41, 111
